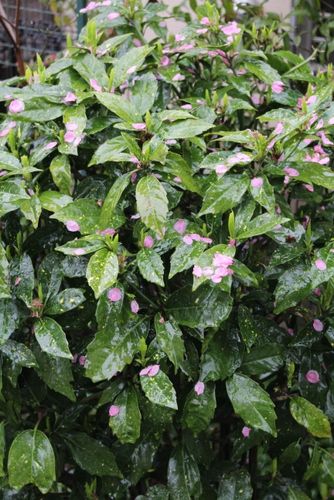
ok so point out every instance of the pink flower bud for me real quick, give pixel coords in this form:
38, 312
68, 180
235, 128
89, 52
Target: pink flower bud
114, 294
292, 172
69, 137
70, 97
277, 87
16, 106
148, 241
114, 410
312, 376
320, 264
149, 371
230, 29
221, 169
221, 260
79, 251
139, 126
134, 306
257, 182
95, 85
82, 360
179, 38
199, 388
113, 15
187, 239
186, 106
216, 279
165, 61
131, 70
72, 226
245, 431
318, 325
309, 187
178, 77
180, 226
51, 145
197, 271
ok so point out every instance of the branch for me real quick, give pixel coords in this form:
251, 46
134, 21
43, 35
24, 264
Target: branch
12, 31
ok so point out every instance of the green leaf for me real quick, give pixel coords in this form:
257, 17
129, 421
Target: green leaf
262, 71
120, 106
159, 390
92, 456
260, 225
111, 150
263, 359
184, 257
251, 403
248, 330
114, 348
169, 338
112, 199
8, 319
178, 167
56, 373
88, 244
126, 425
4, 274
199, 410
31, 209
18, 353
292, 287
31, 460
54, 201
22, 274
183, 475
224, 194
264, 195
296, 494
221, 357
144, 93
204, 308
91, 68
311, 417
152, 203
51, 338
151, 266
235, 485
60, 170
65, 301
133, 57
183, 129
102, 271
83, 211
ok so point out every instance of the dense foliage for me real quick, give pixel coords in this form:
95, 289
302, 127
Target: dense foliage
167, 267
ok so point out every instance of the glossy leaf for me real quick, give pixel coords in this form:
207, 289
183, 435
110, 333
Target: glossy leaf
183, 476
224, 194
170, 340
126, 425
199, 410
102, 271
159, 390
51, 338
56, 372
235, 485
152, 203
311, 417
151, 266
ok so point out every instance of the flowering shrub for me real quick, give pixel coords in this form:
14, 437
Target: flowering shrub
167, 266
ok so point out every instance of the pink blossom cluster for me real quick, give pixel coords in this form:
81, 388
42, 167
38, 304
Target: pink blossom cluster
189, 238
220, 268
71, 135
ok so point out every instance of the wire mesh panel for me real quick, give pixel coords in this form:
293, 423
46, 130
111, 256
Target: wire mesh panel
38, 33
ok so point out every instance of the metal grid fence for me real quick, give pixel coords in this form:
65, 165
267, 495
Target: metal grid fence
38, 33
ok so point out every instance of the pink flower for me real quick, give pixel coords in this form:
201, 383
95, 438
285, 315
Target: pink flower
221, 260
186, 106
199, 388
320, 264
257, 182
148, 241
290, 331
318, 325
149, 371
178, 77
109, 231
71, 126
82, 360
221, 169
134, 306
171, 142
69, 137
70, 97
187, 239
179, 38
292, 172
207, 271
79, 251
185, 48
195, 237
311, 100
245, 431
197, 271
95, 85
216, 278
309, 187
325, 140
257, 99
202, 31
331, 121
16, 106
89, 7
317, 292
51, 145
131, 70
5, 132
114, 294
207, 241
113, 15
205, 21
139, 126
312, 376
165, 61
18, 280
279, 128
72, 226
223, 271
277, 87
230, 29
180, 226
114, 410
177, 179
